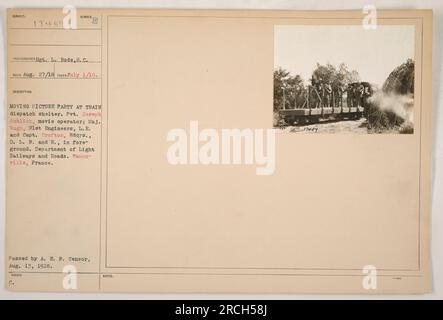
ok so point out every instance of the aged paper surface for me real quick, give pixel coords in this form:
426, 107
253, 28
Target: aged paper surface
120, 175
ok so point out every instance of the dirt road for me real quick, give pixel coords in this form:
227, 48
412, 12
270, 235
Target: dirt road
331, 126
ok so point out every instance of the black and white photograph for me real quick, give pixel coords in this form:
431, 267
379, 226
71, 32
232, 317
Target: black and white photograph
344, 79
142, 159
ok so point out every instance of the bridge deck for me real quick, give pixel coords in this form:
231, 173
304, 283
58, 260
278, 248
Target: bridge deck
320, 111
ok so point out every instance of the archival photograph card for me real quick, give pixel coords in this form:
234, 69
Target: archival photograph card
218, 151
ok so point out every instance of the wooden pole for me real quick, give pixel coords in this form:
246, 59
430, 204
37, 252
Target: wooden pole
295, 97
309, 95
284, 98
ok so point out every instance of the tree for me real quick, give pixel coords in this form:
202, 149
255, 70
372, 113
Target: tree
284, 81
295, 91
280, 79
324, 73
340, 76
347, 76
401, 79
394, 102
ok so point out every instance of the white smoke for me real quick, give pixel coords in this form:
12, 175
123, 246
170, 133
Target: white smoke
401, 105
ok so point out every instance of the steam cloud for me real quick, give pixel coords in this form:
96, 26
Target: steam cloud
401, 105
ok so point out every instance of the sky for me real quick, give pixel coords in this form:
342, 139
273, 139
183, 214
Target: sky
373, 53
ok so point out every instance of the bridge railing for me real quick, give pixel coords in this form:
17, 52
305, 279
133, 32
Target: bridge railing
311, 97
